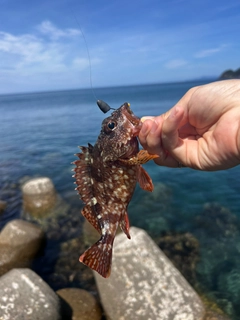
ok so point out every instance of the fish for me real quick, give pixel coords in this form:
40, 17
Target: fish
106, 175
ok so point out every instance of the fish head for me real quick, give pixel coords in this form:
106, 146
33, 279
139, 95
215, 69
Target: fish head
118, 136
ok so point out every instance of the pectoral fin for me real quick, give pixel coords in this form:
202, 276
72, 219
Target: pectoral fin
142, 157
143, 177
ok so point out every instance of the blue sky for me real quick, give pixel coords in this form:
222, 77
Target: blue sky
129, 42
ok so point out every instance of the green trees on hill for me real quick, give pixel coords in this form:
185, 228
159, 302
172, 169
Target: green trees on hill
230, 74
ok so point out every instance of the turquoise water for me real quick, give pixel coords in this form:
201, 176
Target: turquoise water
39, 135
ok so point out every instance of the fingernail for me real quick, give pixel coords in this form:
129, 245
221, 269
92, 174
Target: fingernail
174, 112
146, 118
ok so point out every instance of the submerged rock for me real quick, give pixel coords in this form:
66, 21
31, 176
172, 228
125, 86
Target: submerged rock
218, 221
157, 203
10, 202
80, 305
3, 205
183, 251
144, 284
218, 271
211, 315
19, 243
213, 312
39, 196
24, 295
68, 271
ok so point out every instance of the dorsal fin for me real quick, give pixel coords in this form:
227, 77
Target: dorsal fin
83, 174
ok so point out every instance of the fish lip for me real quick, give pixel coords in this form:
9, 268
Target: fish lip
135, 121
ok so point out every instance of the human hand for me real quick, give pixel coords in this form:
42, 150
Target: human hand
202, 131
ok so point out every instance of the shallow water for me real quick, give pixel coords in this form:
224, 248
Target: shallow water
39, 135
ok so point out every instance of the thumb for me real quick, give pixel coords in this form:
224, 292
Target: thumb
170, 137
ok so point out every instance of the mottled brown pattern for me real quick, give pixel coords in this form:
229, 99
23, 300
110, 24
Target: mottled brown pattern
106, 176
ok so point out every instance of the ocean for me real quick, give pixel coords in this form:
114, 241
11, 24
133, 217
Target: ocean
41, 132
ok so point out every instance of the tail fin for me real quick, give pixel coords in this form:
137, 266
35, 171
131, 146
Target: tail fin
99, 257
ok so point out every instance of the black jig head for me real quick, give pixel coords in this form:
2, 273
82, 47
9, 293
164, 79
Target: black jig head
103, 106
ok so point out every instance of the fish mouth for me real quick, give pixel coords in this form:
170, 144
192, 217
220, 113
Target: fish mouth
135, 121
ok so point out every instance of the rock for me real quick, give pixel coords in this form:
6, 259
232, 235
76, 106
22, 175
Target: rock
157, 202
218, 221
49, 210
19, 243
213, 311
68, 267
183, 251
83, 305
39, 196
144, 284
58, 223
24, 295
10, 203
229, 281
211, 315
3, 205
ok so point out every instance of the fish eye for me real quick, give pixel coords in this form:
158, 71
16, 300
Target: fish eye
111, 125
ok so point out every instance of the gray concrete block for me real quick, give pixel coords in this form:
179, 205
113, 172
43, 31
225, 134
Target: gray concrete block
24, 295
20, 241
144, 284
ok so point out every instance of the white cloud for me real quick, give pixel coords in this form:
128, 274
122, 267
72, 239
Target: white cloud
48, 28
81, 63
29, 53
33, 50
20, 45
209, 52
175, 63
34, 61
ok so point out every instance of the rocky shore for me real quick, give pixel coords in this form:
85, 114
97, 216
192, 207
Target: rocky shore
230, 74
144, 283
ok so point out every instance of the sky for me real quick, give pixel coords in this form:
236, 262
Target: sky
45, 45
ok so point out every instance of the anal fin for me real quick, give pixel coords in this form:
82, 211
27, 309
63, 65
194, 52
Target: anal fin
124, 224
91, 216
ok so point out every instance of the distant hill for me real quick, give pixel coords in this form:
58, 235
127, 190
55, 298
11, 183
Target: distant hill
230, 74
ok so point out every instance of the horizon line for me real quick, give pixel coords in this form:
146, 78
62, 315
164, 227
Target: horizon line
213, 78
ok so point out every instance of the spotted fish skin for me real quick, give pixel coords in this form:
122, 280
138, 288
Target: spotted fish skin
106, 175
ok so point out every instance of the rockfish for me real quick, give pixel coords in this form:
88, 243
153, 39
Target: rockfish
106, 176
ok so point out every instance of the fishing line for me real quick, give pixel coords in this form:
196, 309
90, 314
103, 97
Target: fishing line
103, 106
88, 54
